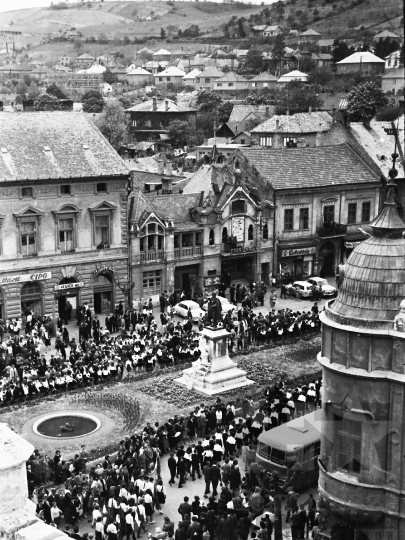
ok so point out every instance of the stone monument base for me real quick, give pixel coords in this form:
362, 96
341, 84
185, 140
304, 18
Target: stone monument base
222, 375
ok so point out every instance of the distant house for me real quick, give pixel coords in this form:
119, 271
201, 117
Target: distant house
84, 61
96, 68
283, 131
205, 80
42, 72
258, 29
393, 81
322, 59
156, 67
392, 60
139, 76
72, 34
272, 31
386, 34
366, 62
230, 82
172, 75
243, 137
325, 45
64, 60
293, 32
15, 71
309, 35
292, 76
263, 80
144, 52
162, 54
190, 79
244, 116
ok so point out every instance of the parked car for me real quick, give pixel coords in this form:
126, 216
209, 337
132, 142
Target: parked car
301, 289
327, 290
182, 309
225, 305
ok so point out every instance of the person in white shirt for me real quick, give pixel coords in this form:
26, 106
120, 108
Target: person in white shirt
56, 514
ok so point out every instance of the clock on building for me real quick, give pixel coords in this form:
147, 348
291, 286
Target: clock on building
238, 228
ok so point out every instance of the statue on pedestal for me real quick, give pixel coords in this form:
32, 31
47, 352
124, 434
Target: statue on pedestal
202, 366
214, 310
399, 321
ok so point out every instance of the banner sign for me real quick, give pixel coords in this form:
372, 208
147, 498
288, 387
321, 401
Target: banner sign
298, 252
65, 286
23, 278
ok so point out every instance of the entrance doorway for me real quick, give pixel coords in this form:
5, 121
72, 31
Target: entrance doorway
266, 273
241, 269
31, 299
186, 277
68, 300
327, 255
103, 294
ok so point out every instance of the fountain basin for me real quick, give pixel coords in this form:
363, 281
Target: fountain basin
66, 425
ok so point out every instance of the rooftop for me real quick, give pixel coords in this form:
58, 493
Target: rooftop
240, 112
45, 145
310, 32
265, 76
386, 34
176, 207
311, 167
162, 51
231, 77
171, 71
310, 122
164, 105
293, 75
212, 72
361, 57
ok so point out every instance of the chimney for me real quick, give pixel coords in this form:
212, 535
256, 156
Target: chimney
161, 167
169, 169
277, 124
167, 185
267, 111
310, 109
155, 103
166, 104
287, 112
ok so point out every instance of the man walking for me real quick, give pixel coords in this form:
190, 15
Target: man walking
207, 479
172, 464
215, 477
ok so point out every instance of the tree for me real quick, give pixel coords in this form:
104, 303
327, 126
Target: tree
253, 62
207, 101
125, 102
93, 101
55, 91
192, 32
109, 77
162, 33
181, 134
113, 123
298, 98
321, 76
33, 91
241, 29
340, 51
365, 100
224, 111
278, 50
46, 103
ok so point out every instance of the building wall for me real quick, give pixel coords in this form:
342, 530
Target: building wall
363, 67
157, 120
79, 263
278, 138
162, 80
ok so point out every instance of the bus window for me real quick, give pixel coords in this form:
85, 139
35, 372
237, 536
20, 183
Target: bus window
277, 456
264, 451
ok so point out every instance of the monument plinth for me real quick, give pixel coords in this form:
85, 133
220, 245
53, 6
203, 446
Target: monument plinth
214, 372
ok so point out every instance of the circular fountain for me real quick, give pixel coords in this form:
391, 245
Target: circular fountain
66, 425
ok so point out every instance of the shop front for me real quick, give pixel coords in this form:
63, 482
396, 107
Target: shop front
296, 263
186, 278
240, 268
22, 294
67, 294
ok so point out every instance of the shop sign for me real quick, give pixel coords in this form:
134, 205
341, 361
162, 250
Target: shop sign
103, 269
211, 280
65, 286
23, 278
243, 249
298, 252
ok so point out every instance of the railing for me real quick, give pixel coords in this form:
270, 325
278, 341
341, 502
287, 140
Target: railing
187, 252
332, 229
239, 248
152, 256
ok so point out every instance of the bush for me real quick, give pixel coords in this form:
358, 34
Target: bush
388, 114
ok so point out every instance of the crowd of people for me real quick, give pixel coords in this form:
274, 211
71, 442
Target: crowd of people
121, 494
33, 369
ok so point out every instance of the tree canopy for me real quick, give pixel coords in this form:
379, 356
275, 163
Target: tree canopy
54, 90
298, 98
208, 101
93, 102
181, 134
365, 100
47, 102
113, 123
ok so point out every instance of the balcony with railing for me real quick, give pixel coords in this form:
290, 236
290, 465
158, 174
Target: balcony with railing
152, 255
331, 229
189, 251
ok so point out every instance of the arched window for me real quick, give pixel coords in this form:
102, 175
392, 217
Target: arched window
250, 232
265, 231
224, 235
212, 237
151, 237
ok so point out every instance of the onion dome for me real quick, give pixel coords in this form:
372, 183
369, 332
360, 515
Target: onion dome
374, 277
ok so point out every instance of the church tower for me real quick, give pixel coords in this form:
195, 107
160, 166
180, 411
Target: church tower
362, 464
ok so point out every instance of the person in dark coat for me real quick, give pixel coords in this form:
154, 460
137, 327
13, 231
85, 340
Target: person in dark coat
234, 479
172, 464
215, 478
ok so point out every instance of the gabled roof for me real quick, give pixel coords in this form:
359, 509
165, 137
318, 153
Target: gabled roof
171, 71
259, 27
43, 69
97, 68
271, 28
310, 32
362, 57
207, 175
193, 74
311, 167
293, 75
139, 207
211, 72
162, 52
85, 56
44, 145
139, 71
240, 112
386, 34
176, 207
312, 122
161, 106
265, 76
232, 76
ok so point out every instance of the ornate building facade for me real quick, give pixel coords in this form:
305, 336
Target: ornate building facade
362, 467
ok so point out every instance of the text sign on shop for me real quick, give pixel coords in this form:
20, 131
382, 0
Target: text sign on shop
298, 252
65, 286
23, 278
